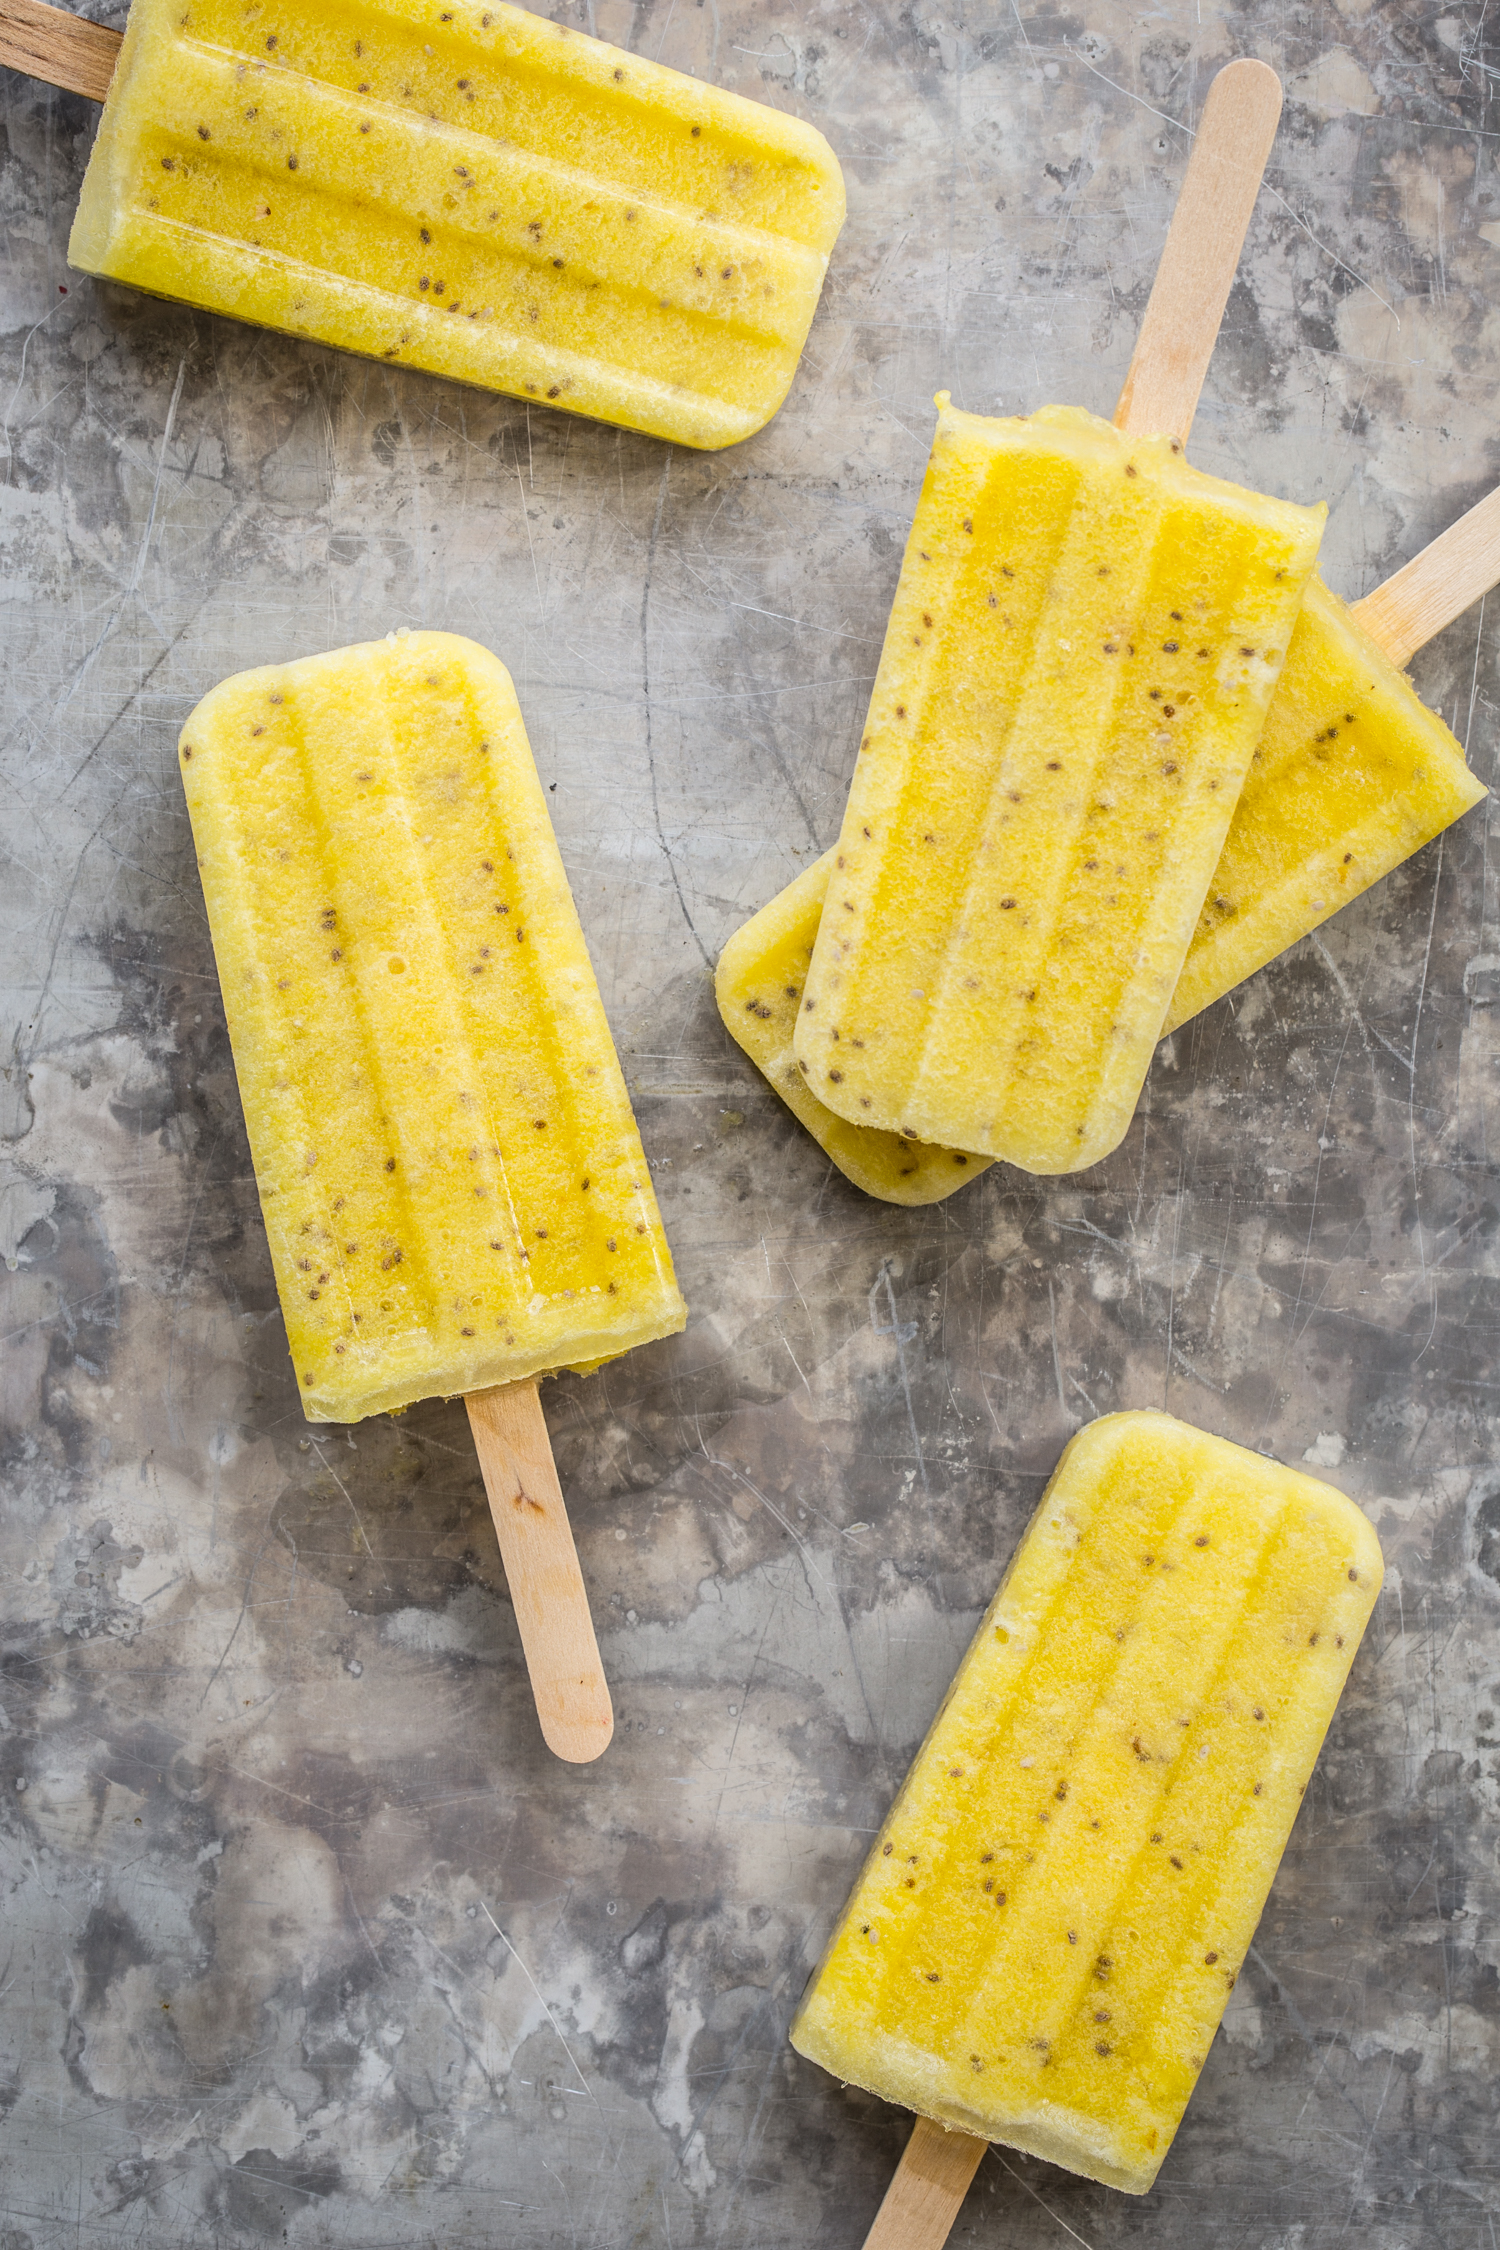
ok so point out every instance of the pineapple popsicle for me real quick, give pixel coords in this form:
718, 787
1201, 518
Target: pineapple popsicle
469, 189
1080, 657
763, 969
1044, 1937
452, 1180
454, 1189
1353, 773
1351, 776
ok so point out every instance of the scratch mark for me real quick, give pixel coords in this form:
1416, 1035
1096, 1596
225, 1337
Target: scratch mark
1062, 1396
546, 2011
1333, 254
1366, 1031
651, 546
82, 670
1474, 682
1411, 1060
769, 1505
806, 625
239, 1621
133, 698
359, 1918
903, 1332
1031, 2191
531, 548
338, 1480
21, 377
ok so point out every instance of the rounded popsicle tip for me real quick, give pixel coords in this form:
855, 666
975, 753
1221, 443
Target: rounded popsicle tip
583, 1732
1149, 1434
1249, 78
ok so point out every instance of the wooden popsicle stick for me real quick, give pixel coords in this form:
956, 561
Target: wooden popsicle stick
541, 1566
63, 50
1202, 250
924, 2198
1437, 585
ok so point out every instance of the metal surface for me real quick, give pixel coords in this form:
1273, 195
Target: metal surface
304, 1937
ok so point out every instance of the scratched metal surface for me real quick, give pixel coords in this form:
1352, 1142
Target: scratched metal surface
304, 1938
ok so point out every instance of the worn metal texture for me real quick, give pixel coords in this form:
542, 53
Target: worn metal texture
304, 1938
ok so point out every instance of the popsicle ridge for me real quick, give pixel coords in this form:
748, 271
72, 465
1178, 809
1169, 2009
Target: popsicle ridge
1351, 776
1062, 1685
1049, 924
376, 157
1042, 1942
1082, 646
480, 192
758, 985
454, 1189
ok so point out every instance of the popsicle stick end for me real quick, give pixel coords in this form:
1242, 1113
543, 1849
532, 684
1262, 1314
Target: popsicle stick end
541, 1568
927, 2192
1202, 250
579, 1736
61, 49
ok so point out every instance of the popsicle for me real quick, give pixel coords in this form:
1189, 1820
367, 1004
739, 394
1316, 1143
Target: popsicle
1353, 773
763, 969
1078, 664
466, 188
1351, 776
1047, 1930
453, 1186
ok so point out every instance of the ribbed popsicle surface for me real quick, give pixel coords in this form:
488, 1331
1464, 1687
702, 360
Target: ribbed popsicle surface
1080, 655
758, 986
452, 1181
1351, 776
1045, 1935
472, 190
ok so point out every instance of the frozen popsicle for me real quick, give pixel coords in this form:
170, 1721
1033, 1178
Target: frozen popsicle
1078, 665
1353, 772
1043, 1939
453, 1185
470, 189
763, 968
1351, 776
1080, 656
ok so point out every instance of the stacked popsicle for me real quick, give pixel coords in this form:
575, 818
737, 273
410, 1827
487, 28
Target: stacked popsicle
1114, 761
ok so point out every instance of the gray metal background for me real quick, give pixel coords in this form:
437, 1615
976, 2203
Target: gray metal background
303, 1937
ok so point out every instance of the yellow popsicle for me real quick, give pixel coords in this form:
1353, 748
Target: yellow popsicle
470, 189
1078, 665
452, 1181
1351, 776
1044, 1937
